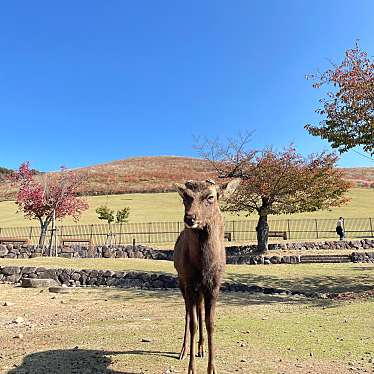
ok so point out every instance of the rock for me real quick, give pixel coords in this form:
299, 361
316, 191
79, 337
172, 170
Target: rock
144, 340
10, 270
28, 269
275, 260
38, 283
3, 250
14, 278
48, 274
18, 336
18, 320
76, 276
108, 273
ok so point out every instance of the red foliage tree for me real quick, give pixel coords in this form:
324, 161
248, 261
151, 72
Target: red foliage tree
43, 195
349, 105
273, 182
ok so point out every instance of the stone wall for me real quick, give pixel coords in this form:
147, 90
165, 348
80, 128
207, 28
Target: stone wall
235, 254
121, 279
353, 245
120, 251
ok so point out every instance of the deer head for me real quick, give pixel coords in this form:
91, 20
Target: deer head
200, 201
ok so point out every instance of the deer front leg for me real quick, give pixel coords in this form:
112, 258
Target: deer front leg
183, 352
192, 311
200, 308
210, 310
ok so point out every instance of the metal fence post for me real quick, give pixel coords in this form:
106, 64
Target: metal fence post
371, 227
316, 221
288, 229
120, 233
30, 233
91, 234
149, 232
61, 233
233, 230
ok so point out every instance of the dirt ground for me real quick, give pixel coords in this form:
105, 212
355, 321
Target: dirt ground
106, 330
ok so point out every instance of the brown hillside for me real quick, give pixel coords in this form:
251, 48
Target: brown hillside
143, 174
157, 174
4, 173
360, 177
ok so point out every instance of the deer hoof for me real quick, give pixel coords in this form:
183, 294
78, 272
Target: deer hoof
182, 355
212, 369
191, 370
200, 352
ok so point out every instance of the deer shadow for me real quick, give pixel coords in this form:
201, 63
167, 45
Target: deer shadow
69, 361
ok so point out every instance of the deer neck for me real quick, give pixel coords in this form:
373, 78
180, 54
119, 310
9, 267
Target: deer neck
211, 240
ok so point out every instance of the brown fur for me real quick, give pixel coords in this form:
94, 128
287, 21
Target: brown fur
200, 259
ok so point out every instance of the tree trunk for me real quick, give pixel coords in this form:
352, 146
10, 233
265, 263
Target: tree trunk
262, 233
43, 233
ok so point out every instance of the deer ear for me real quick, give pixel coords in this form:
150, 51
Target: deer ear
230, 188
180, 189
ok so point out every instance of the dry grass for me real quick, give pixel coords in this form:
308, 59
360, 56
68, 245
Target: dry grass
161, 207
101, 331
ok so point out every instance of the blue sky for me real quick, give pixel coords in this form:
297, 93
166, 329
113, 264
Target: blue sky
85, 82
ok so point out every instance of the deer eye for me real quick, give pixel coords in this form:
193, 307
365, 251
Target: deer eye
210, 198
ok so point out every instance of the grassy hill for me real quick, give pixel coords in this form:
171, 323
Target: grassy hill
4, 174
143, 174
157, 174
140, 174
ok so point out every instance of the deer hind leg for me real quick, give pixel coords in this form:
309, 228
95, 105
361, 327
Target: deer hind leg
200, 310
210, 299
183, 352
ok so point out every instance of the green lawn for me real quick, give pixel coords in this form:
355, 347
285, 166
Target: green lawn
154, 207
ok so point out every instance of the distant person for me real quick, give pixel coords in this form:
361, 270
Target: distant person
340, 228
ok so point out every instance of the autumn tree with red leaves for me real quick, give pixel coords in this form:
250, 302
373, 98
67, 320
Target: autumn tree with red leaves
349, 105
273, 182
44, 195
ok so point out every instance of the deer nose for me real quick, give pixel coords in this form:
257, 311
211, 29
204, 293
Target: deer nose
190, 219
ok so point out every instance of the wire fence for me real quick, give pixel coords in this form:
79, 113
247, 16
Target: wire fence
167, 232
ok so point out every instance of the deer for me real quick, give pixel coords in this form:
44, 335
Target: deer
200, 261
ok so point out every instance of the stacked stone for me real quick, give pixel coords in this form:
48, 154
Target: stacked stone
362, 257
109, 278
245, 254
72, 277
340, 244
80, 251
19, 251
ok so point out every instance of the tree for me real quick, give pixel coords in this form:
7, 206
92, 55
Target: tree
44, 196
349, 107
276, 182
122, 215
107, 214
